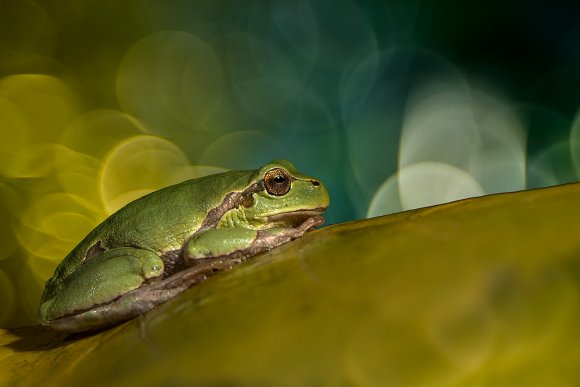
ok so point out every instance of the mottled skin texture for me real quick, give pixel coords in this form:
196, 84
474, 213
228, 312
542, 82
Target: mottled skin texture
163, 243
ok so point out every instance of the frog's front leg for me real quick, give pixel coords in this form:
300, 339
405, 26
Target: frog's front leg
237, 244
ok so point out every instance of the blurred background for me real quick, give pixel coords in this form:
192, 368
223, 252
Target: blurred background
393, 104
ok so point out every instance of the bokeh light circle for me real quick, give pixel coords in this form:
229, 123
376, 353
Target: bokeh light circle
439, 125
77, 174
95, 132
137, 166
51, 225
34, 109
386, 199
343, 39
499, 161
170, 80
575, 143
430, 183
14, 131
375, 103
252, 57
46, 103
243, 150
296, 22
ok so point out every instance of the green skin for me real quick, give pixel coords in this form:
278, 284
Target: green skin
163, 243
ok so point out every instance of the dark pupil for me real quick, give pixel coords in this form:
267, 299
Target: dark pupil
279, 179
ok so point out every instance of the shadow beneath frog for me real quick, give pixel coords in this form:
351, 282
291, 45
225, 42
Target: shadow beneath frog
38, 338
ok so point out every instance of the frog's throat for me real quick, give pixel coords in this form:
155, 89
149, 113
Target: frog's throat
298, 217
231, 200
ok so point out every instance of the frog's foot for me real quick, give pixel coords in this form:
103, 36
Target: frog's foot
142, 299
273, 237
98, 281
312, 221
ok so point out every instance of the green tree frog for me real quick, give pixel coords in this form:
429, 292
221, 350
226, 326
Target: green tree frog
165, 242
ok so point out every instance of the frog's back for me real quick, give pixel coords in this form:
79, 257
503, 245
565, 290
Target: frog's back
159, 221
165, 218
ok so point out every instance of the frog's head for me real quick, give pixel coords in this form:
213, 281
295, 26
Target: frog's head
285, 197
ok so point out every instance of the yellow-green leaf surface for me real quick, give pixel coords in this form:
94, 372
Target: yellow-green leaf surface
481, 292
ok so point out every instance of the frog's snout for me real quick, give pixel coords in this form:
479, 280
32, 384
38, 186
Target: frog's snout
319, 191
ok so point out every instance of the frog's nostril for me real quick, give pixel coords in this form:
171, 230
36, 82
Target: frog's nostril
315, 183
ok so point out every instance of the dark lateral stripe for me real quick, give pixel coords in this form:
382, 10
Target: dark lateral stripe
232, 200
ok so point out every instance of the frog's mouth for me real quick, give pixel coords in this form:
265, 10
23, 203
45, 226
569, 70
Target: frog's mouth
298, 217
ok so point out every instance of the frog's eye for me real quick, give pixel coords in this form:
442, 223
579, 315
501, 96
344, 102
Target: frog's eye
277, 181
